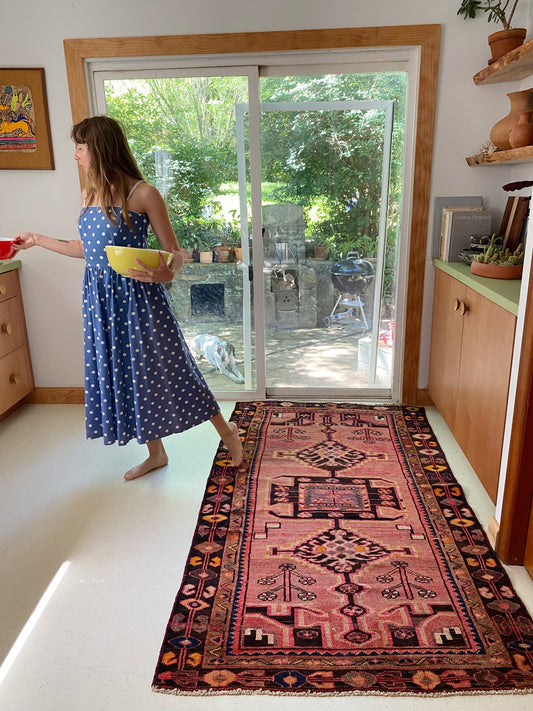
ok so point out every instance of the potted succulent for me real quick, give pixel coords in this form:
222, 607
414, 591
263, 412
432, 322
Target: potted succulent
204, 246
498, 262
316, 249
231, 236
502, 11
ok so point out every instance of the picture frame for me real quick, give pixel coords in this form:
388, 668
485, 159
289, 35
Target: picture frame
25, 139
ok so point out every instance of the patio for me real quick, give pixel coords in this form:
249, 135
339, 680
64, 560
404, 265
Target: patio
333, 357
301, 350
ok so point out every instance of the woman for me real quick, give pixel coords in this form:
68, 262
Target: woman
141, 380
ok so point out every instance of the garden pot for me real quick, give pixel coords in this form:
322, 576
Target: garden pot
504, 41
521, 133
222, 253
188, 256
238, 253
496, 271
206, 257
320, 252
520, 101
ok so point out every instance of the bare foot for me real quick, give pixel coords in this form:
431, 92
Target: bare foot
157, 457
234, 444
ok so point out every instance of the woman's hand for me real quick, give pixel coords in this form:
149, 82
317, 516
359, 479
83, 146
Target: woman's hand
162, 273
25, 240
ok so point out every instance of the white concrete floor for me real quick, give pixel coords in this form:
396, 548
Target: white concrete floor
95, 645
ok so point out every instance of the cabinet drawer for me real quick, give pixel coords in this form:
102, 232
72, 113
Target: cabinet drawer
12, 331
9, 285
15, 377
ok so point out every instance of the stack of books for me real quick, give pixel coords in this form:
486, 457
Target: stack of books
458, 225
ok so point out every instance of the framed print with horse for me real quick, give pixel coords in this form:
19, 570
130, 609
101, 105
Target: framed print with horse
25, 141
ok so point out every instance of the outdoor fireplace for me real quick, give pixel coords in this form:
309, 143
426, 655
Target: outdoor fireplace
291, 297
207, 300
290, 285
208, 292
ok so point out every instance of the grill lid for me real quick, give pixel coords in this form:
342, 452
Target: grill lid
352, 267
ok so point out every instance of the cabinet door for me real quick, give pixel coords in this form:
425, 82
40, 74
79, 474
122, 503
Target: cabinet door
15, 378
487, 348
446, 339
12, 330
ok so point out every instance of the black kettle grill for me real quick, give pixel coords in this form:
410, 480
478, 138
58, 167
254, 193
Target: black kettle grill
352, 275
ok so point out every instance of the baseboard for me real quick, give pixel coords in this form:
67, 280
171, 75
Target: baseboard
76, 396
56, 396
492, 532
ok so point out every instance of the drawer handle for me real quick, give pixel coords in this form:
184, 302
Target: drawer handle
456, 304
7, 328
15, 379
3, 289
464, 308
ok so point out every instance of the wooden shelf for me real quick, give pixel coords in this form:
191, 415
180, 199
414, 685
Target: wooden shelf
515, 155
517, 64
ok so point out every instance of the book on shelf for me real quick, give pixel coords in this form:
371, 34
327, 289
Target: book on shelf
461, 225
513, 221
447, 220
450, 202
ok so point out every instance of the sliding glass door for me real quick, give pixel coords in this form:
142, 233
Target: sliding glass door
299, 175
324, 266
182, 130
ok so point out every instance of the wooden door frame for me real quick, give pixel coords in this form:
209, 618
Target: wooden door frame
518, 491
426, 37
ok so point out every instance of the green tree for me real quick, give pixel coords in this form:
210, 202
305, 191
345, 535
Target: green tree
193, 121
329, 162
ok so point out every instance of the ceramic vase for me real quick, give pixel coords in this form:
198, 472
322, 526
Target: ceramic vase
521, 133
520, 101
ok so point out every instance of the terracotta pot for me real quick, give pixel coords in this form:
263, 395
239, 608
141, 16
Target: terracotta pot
238, 253
222, 253
520, 101
188, 256
504, 41
521, 133
206, 257
495, 271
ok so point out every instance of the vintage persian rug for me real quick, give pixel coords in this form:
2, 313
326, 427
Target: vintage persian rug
341, 558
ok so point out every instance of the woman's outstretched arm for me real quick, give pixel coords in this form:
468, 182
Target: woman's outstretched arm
70, 247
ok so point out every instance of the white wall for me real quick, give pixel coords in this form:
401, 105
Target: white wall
48, 201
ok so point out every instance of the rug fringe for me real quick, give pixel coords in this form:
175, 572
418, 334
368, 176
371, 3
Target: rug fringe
325, 694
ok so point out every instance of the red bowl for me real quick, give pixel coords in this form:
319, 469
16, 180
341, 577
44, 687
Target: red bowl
6, 248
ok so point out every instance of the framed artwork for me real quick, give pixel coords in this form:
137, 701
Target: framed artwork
25, 142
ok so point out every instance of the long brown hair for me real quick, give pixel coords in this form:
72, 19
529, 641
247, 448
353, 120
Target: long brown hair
112, 163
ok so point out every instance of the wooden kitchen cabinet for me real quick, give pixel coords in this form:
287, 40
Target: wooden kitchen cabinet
16, 377
471, 352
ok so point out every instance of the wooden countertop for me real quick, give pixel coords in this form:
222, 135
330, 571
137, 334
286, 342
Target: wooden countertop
504, 292
7, 265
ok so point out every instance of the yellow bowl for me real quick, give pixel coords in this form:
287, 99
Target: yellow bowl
122, 259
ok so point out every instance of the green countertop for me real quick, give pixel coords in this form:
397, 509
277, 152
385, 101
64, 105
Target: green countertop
504, 292
7, 265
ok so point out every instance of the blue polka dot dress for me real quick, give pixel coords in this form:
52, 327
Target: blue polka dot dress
141, 381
